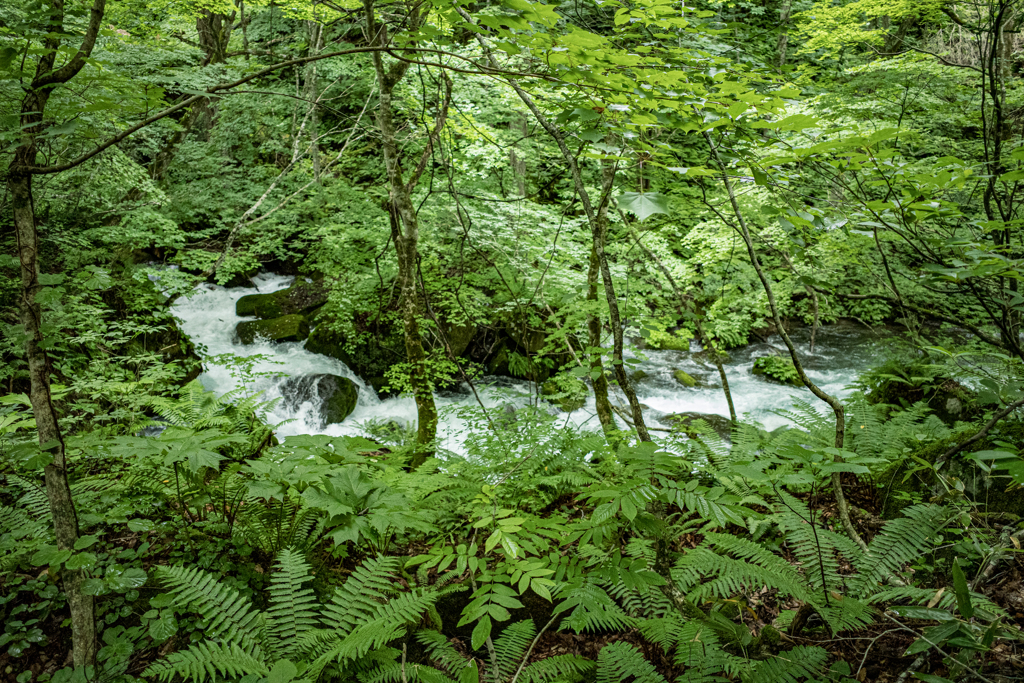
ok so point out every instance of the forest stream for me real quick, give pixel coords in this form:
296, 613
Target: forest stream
841, 352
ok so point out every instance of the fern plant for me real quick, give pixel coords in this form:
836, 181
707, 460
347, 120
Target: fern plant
295, 637
506, 662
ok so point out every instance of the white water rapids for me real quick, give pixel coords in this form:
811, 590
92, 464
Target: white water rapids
208, 318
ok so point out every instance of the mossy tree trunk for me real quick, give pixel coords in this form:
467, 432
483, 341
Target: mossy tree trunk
404, 221
19, 181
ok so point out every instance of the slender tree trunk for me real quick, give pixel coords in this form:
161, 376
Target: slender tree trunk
781, 46
311, 93
58, 490
405, 225
598, 228
831, 401
597, 376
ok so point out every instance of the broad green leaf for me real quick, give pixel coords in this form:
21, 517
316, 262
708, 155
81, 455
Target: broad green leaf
481, 632
643, 205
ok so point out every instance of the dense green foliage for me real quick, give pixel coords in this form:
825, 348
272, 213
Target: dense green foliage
465, 192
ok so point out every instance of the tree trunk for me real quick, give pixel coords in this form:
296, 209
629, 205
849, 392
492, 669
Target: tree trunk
19, 181
214, 30
597, 376
58, 491
781, 46
405, 227
311, 94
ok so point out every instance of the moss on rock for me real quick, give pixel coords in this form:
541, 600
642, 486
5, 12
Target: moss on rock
720, 424
287, 328
684, 378
777, 369
328, 343
300, 297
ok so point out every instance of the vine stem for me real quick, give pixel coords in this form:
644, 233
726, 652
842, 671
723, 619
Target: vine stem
526, 657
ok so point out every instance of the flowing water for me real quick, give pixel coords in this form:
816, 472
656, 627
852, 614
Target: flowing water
841, 352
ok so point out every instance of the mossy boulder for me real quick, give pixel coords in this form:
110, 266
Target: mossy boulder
684, 378
568, 393
639, 376
300, 297
497, 364
336, 396
370, 356
777, 369
720, 424
671, 343
460, 337
287, 328
903, 382
326, 342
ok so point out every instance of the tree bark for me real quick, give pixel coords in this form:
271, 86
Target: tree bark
19, 180
405, 226
597, 376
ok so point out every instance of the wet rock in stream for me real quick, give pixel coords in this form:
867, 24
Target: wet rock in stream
336, 396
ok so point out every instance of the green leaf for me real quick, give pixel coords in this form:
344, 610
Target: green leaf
628, 508
481, 632
283, 672
140, 525
85, 541
50, 555
963, 593
929, 678
121, 581
922, 613
492, 540
80, 561
643, 204
163, 627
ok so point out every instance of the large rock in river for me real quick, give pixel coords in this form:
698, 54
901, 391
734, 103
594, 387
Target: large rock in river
301, 297
335, 395
287, 328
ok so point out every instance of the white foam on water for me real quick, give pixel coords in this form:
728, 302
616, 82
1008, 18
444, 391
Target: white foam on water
208, 318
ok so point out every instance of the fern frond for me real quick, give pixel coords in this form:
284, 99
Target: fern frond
621, 661
361, 595
899, 542
208, 659
664, 631
227, 614
291, 613
33, 498
441, 651
569, 668
510, 647
799, 664
592, 610
705, 572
